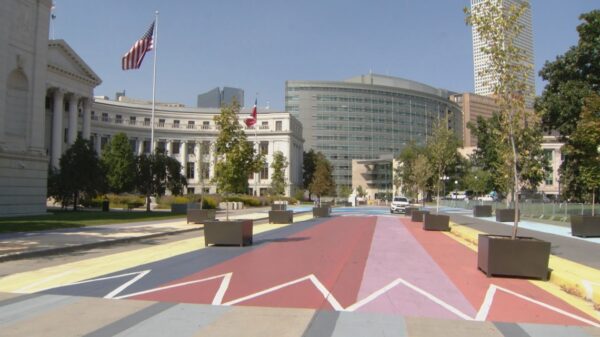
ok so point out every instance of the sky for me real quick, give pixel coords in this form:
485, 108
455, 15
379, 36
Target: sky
257, 45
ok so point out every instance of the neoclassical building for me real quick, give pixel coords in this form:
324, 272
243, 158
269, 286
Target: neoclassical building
188, 134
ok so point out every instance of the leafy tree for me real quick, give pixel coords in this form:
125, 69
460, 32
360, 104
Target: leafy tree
404, 171
421, 173
80, 174
155, 173
479, 181
278, 165
442, 150
571, 78
322, 182
360, 191
499, 29
308, 169
235, 157
344, 191
119, 163
582, 149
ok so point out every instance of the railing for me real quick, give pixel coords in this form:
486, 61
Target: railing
163, 125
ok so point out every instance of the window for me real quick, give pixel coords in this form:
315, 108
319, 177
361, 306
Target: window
205, 170
105, 117
161, 123
147, 146
190, 125
103, 142
147, 121
189, 170
131, 120
176, 124
278, 125
205, 125
191, 190
119, 119
176, 145
264, 125
264, 148
191, 146
132, 144
264, 173
162, 145
205, 148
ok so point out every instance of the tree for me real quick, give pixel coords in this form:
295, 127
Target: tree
360, 191
404, 170
322, 182
80, 174
420, 175
119, 163
442, 150
155, 173
479, 181
308, 169
499, 28
278, 165
583, 152
571, 78
344, 191
235, 157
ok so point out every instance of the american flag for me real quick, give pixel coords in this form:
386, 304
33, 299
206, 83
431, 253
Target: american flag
134, 57
253, 117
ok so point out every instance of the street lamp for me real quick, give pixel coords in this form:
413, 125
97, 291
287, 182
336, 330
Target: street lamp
444, 179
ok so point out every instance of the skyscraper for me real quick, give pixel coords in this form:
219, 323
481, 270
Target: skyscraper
484, 84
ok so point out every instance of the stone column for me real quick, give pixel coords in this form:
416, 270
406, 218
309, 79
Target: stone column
72, 133
198, 154
97, 144
57, 128
87, 118
140, 146
170, 147
184, 157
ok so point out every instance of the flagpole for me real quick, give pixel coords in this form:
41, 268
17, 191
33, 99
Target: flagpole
155, 47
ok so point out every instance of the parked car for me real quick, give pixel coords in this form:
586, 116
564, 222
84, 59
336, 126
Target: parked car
460, 195
485, 198
399, 205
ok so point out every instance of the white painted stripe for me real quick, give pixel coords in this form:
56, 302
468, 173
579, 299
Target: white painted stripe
222, 289
170, 286
266, 291
326, 294
42, 281
124, 286
484, 310
373, 296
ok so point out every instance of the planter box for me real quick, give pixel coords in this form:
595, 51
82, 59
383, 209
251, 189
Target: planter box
417, 215
436, 222
281, 216
523, 257
278, 207
408, 210
233, 232
505, 215
585, 225
179, 208
200, 215
323, 211
482, 211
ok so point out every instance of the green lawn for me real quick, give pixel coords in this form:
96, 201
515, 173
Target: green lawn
70, 219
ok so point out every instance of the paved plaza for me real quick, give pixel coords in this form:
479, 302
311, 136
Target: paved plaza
361, 272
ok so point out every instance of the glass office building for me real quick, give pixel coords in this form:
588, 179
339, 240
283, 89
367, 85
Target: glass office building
367, 116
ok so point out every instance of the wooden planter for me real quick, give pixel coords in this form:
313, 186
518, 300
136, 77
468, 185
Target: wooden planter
522, 257
200, 215
436, 222
417, 215
281, 216
585, 225
278, 207
482, 211
505, 215
233, 232
323, 211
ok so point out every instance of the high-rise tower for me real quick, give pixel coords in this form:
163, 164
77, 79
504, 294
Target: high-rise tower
484, 84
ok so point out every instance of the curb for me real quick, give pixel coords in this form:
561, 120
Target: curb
573, 278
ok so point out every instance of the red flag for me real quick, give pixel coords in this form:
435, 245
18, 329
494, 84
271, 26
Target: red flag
253, 117
133, 59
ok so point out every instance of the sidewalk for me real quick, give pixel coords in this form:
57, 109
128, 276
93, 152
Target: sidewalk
22, 245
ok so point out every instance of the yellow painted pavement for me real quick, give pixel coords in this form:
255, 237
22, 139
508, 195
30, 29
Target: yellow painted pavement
576, 284
55, 276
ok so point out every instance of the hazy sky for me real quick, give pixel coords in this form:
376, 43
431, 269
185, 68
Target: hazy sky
257, 45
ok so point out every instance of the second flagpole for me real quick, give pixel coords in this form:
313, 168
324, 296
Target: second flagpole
155, 47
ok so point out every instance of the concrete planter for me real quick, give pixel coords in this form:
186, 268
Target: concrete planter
179, 208
585, 225
281, 216
436, 222
482, 211
417, 215
323, 211
408, 210
522, 257
278, 207
200, 215
505, 215
233, 232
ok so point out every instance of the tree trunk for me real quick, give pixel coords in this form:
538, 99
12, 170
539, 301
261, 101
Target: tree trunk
75, 199
148, 203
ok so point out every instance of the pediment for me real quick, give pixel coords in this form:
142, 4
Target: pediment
63, 59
